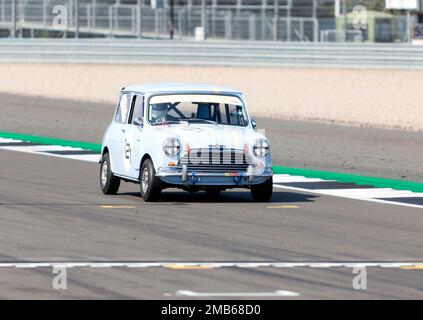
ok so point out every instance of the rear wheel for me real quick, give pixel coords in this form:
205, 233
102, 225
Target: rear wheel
109, 183
149, 183
262, 192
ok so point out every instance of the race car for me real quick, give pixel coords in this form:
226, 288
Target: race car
189, 136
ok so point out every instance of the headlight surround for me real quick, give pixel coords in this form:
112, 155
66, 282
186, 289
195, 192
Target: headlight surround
261, 147
171, 147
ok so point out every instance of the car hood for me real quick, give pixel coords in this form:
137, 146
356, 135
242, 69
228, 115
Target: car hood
206, 135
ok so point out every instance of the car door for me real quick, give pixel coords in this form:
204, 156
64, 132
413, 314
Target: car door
118, 134
133, 138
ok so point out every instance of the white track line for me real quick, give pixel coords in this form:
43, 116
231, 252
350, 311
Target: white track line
39, 148
332, 192
168, 264
277, 293
82, 157
370, 193
6, 140
285, 178
43, 150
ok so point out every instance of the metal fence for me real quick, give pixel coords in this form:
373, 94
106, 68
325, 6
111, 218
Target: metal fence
223, 53
94, 18
290, 20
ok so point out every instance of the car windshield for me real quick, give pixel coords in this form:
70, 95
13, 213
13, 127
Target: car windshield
199, 108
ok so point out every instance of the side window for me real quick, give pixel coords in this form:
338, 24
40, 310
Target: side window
137, 111
123, 109
232, 114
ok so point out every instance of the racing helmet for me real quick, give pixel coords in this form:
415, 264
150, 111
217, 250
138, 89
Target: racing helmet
159, 111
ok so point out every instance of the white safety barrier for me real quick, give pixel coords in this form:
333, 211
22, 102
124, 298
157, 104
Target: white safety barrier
222, 53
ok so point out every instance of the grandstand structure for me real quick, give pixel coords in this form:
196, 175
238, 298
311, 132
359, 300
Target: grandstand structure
283, 20
277, 20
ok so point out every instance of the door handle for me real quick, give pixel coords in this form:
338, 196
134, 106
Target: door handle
123, 130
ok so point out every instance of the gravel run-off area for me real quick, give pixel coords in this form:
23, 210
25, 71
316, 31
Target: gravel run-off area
371, 98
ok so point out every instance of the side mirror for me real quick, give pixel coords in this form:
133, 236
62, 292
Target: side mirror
138, 122
254, 123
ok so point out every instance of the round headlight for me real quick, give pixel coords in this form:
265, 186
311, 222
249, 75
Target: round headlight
261, 148
171, 147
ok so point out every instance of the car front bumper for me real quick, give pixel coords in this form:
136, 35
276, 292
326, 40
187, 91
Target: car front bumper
183, 177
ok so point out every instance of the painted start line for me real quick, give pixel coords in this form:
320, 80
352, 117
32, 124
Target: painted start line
293, 182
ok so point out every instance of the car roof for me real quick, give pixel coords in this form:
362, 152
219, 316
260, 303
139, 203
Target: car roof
170, 87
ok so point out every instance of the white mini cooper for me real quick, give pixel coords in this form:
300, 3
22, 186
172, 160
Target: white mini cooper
188, 136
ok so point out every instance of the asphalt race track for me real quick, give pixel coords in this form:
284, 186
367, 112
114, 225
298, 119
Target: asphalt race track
300, 245
373, 152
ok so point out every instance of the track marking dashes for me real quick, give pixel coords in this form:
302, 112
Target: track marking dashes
117, 207
282, 207
297, 183
186, 267
211, 265
412, 267
277, 293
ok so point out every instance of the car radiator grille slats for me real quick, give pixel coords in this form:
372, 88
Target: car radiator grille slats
215, 160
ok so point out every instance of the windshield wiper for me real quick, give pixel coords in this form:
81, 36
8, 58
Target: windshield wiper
170, 122
202, 120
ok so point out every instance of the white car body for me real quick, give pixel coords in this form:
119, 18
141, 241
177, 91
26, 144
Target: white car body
231, 148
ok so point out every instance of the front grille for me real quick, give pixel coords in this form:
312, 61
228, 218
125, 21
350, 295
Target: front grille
216, 160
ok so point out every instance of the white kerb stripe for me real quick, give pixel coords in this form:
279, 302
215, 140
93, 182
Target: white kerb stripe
367, 193
284, 178
39, 148
346, 196
82, 157
5, 140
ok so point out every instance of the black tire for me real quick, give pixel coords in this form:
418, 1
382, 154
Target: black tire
150, 187
213, 193
109, 183
262, 192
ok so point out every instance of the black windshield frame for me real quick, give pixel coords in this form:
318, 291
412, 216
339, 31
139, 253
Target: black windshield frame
247, 118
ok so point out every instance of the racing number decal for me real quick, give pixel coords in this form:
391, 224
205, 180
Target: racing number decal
128, 151
127, 156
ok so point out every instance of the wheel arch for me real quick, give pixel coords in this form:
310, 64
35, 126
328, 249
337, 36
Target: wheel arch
107, 150
144, 157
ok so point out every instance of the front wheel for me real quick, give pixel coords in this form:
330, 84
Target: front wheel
149, 183
262, 192
109, 183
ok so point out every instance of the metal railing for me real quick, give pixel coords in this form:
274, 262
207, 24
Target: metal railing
36, 18
227, 53
137, 19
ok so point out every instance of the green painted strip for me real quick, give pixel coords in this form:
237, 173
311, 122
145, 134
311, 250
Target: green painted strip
308, 173
351, 178
52, 141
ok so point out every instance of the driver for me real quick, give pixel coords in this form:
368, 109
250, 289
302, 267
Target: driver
159, 112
